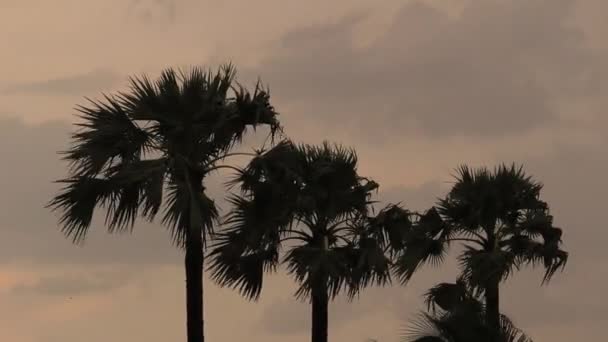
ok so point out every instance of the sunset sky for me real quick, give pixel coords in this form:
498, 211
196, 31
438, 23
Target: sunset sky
417, 87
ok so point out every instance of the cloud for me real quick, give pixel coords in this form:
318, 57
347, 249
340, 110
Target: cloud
490, 72
73, 284
286, 316
502, 69
77, 85
414, 198
153, 11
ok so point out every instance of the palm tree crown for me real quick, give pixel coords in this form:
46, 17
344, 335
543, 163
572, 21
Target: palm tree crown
502, 224
308, 200
500, 219
161, 134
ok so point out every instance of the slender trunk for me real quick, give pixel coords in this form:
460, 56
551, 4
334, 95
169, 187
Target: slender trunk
492, 309
194, 263
491, 291
194, 288
320, 302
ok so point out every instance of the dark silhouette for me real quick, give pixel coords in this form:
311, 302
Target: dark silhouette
502, 224
456, 314
156, 144
310, 202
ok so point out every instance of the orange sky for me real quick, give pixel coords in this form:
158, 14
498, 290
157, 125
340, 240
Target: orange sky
417, 87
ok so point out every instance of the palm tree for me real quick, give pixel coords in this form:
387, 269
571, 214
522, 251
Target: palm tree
310, 202
156, 144
502, 224
456, 314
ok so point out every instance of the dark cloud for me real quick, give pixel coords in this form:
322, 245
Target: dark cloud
153, 11
490, 72
77, 85
73, 285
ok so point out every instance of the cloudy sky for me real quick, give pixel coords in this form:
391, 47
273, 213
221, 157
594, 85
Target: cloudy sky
418, 87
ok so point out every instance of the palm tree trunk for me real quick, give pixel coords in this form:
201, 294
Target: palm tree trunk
194, 286
320, 303
493, 309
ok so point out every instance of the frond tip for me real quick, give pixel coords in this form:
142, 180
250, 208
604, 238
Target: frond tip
77, 201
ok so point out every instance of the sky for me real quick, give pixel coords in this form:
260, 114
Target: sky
417, 87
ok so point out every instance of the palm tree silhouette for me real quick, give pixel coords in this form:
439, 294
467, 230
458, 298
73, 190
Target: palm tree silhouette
154, 145
456, 314
310, 202
502, 223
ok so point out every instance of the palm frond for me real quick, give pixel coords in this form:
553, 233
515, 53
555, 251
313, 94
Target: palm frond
107, 134
369, 264
459, 316
480, 267
77, 201
422, 245
535, 240
187, 208
510, 333
424, 328
391, 226
237, 265
249, 245
255, 109
446, 296
311, 265
143, 101
140, 186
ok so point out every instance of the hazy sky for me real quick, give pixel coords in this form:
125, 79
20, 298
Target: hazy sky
417, 87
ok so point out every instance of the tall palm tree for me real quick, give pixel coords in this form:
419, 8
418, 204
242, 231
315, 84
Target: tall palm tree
156, 144
457, 314
309, 201
502, 224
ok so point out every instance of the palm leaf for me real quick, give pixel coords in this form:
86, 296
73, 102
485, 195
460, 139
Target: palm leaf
107, 134
77, 201
186, 209
235, 265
